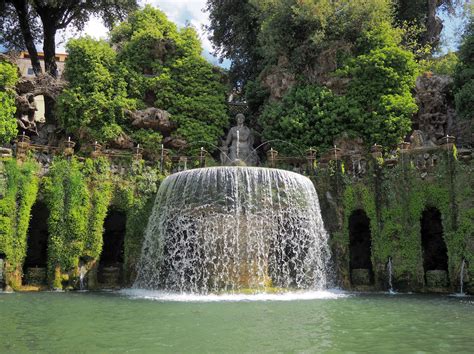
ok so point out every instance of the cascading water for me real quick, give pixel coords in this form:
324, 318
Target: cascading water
234, 228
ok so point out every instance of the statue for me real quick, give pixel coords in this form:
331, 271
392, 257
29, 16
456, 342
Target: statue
240, 139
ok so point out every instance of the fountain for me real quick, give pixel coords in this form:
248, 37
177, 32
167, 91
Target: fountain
390, 274
461, 278
82, 274
232, 229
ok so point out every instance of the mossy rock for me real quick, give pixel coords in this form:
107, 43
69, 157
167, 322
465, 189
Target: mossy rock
437, 279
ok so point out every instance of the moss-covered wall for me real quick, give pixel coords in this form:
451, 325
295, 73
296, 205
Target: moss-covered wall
394, 199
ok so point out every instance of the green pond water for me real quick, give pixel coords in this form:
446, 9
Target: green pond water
126, 322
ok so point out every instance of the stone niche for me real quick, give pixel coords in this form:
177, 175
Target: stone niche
37, 244
359, 247
435, 254
111, 260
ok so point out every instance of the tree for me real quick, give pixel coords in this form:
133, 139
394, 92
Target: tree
464, 74
166, 70
40, 20
92, 106
381, 80
255, 34
234, 28
8, 79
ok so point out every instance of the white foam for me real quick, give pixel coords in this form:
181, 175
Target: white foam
159, 295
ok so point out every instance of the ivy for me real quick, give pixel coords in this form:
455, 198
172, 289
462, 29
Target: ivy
77, 196
18, 197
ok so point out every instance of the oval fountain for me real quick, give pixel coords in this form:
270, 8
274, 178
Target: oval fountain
232, 229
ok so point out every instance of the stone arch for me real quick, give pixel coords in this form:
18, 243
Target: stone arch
112, 256
435, 253
360, 245
36, 259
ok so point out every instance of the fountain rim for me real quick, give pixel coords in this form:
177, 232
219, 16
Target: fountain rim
190, 171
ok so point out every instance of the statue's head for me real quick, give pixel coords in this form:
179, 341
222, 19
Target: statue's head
240, 118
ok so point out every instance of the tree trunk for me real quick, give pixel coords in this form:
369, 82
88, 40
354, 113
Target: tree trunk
21, 8
49, 47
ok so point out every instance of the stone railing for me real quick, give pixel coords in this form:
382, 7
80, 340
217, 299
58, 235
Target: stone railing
354, 163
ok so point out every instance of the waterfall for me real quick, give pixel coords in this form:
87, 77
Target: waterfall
234, 228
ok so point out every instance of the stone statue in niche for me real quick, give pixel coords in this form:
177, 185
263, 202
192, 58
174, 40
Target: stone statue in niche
240, 138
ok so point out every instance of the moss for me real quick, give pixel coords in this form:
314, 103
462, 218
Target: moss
394, 200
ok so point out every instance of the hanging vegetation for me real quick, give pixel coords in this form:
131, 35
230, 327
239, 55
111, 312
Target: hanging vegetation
17, 198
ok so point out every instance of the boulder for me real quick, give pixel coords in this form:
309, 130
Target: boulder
151, 118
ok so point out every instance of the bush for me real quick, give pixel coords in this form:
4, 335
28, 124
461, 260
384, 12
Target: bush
308, 116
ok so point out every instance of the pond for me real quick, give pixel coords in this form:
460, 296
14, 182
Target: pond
138, 321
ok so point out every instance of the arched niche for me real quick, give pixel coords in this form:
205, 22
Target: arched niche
360, 244
112, 256
37, 245
435, 253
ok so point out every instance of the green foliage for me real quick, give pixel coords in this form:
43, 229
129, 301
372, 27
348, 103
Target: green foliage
8, 79
377, 106
380, 88
92, 105
97, 174
464, 75
302, 30
16, 202
228, 18
135, 196
77, 197
308, 116
443, 65
166, 70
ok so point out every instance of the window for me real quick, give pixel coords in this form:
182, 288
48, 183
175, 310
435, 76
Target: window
30, 71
